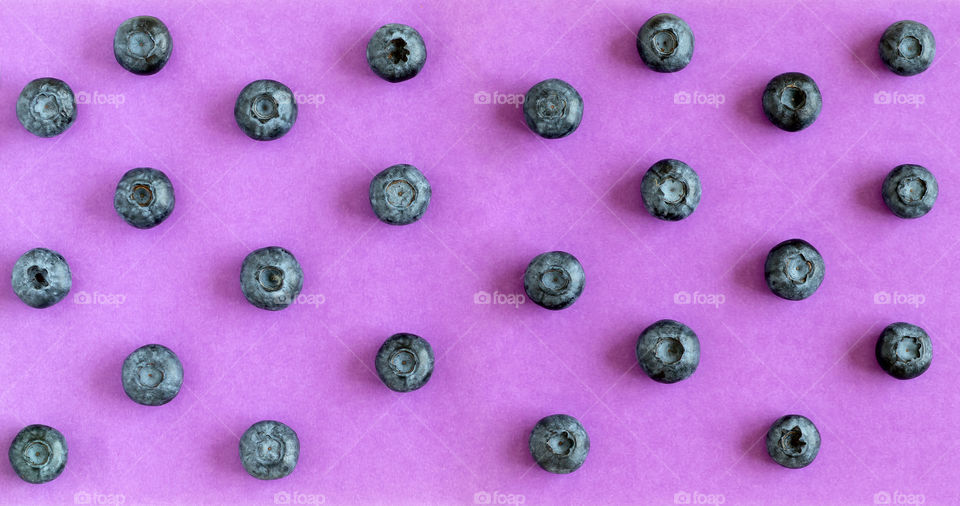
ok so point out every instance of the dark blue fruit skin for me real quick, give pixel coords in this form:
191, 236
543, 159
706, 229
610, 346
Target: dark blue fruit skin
405, 362
41, 278
46, 107
907, 48
559, 444
670, 190
152, 375
396, 52
271, 278
38, 453
399, 195
665, 43
668, 351
792, 101
910, 191
552, 109
793, 441
794, 269
144, 197
269, 450
904, 350
142, 45
265, 110
554, 280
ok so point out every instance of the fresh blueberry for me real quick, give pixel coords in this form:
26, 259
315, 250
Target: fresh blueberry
793, 441
559, 444
907, 47
794, 269
554, 280
271, 278
400, 194
41, 278
910, 191
405, 362
269, 450
265, 110
792, 101
152, 375
904, 351
144, 197
668, 351
670, 190
38, 453
142, 45
552, 109
665, 43
46, 107
396, 52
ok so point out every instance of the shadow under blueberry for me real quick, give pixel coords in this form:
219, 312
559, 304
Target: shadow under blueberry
355, 197
511, 116
220, 115
226, 282
868, 52
753, 444
863, 357
623, 49
625, 196
622, 354
749, 273
749, 105
869, 195
226, 455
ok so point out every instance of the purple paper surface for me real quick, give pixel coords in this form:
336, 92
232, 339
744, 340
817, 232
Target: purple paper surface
501, 195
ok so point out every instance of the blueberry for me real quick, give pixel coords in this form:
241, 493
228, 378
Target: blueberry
142, 45
41, 278
554, 280
265, 110
910, 191
792, 101
793, 441
38, 453
794, 269
559, 444
907, 47
400, 194
670, 190
552, 109
904, 351
396, 52
405, 362
269, 450
271, 278
46, 107
668, 351
152, 375
665, 43
144, 197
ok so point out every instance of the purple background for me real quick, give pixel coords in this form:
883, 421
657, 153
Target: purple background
501, 196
